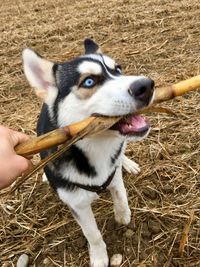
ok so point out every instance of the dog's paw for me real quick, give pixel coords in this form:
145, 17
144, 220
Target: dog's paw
130, 166
123, 217
99, 257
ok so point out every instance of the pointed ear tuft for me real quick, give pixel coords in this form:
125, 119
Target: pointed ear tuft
39, 73
91, 47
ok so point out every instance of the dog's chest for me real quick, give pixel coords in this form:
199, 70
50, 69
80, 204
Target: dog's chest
90, 161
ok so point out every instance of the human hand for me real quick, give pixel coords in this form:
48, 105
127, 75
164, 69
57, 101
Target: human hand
11, 164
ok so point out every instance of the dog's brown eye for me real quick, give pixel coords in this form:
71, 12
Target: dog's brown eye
118, 69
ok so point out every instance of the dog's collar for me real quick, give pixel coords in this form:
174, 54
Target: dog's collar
97, 188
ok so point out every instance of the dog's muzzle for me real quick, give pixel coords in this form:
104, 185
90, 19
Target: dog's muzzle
142, 91
136, 125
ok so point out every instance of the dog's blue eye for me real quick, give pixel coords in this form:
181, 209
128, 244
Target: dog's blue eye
89, 82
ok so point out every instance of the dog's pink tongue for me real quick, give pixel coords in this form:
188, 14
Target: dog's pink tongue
138, 122
134, 124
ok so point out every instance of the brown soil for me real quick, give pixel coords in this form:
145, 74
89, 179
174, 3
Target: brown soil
160, 39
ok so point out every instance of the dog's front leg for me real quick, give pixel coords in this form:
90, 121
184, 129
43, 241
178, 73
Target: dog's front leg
80, 206
97, 247
119, 196
130, 165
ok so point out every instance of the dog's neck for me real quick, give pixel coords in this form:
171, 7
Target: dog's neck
102, 145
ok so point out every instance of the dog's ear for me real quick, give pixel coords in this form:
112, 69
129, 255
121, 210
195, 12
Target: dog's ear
91, 47
39, 73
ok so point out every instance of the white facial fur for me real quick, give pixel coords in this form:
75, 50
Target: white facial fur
109, 62
111, 99
90, 67
105, 60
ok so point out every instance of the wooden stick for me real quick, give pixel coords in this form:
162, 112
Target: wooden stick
178, 89
59, 136
48, 140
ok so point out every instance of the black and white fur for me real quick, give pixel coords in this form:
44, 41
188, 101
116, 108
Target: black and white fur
67, 99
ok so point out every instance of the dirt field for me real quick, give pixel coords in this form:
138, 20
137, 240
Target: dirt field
160, 39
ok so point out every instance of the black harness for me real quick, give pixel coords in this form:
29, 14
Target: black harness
96, 188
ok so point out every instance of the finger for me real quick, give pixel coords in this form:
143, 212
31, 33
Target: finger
18, 138
18, 167
22, 164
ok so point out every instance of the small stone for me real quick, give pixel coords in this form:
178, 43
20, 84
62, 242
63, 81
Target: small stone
81, 242
151, 194
179, 202
154, 227
143, 255
162, 257
131, 226
128, 251
135, 239
116, 260
23, 261
145, 231
9, 207
46, 261
168, 189
129, 233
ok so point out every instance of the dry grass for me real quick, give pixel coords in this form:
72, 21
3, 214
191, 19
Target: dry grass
159, 39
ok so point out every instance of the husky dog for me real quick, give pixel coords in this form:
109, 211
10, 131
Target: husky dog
72, 91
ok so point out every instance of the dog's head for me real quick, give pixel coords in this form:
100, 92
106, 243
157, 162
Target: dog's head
87, 85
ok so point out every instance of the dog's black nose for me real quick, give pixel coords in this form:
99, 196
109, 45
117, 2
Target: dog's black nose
142, 90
